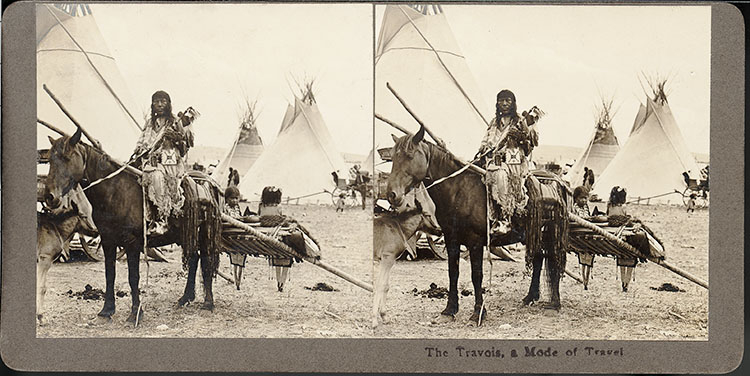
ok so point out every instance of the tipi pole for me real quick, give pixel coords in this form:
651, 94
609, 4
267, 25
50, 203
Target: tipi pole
95, 142
437, 139
52, 127
391, 123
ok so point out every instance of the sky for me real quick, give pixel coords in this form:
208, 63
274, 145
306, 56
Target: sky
215, 56
563, 59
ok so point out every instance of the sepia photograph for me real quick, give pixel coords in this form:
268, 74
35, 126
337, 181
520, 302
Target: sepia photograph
348, 187
542, 172
203, 170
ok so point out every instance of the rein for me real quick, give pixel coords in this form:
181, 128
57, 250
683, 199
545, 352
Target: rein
454, 174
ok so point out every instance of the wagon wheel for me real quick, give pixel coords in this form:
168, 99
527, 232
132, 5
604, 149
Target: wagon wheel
701, 202
352, 199
686, 196
437, 245
92, 247
335, 195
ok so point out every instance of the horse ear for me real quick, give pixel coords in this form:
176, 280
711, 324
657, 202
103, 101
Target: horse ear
393, 136
75, 137
51, 140
419, 136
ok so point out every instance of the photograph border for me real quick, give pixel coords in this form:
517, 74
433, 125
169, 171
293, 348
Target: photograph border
21, 350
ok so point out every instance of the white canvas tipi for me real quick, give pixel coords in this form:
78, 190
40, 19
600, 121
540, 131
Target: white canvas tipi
73, 61
246, 149
418, 55
651, 163
300, 161
602, 147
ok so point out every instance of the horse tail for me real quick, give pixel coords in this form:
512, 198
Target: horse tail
557, 234
190, 222
212, 232
201, 226
533, 221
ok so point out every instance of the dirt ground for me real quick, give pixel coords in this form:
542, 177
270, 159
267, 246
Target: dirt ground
258, 310
602, 312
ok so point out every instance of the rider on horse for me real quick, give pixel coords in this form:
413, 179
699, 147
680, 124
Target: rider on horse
505, 153
163, 145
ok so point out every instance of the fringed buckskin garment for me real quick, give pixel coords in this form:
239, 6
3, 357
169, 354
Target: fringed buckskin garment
508, 167
163, 169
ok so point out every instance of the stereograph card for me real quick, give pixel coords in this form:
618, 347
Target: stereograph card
291, 152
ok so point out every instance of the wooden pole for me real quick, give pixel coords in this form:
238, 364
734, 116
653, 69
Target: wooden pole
472, 167
392, 124
290, 251
621, 243
52, 127
96, 143
571, 275
682, 273
222, 275
406, 107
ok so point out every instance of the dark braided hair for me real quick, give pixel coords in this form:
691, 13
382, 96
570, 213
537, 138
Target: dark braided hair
505, 93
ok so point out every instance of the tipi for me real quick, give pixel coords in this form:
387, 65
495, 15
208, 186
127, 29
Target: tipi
302, 159
246, 149
73, 61
651, 163
418, 55
602, 147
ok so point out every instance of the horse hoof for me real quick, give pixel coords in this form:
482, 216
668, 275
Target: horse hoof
475, 317
207, 306
133, 316
529, 300
443, 318
101, 320
551, 306
184, 301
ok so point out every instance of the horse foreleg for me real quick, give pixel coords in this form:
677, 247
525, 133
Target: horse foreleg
43, 263
477, 275
454, 252
536, 272
383, 269
134, 276
189, 294
110, 257
208, 279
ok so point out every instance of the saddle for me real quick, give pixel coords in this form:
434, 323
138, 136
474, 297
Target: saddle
201, 186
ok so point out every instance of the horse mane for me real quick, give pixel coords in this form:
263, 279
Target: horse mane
440, 161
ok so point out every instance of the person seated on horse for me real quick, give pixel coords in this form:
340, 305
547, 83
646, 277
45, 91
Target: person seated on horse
163, 146
506, 160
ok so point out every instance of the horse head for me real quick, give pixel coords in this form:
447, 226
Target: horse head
410, 163
67, 162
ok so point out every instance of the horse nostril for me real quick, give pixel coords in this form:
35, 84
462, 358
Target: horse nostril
51, 201
391, 196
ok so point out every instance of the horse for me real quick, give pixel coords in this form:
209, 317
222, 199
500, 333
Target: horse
117, 204
460, 204
390, 232
55, 230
